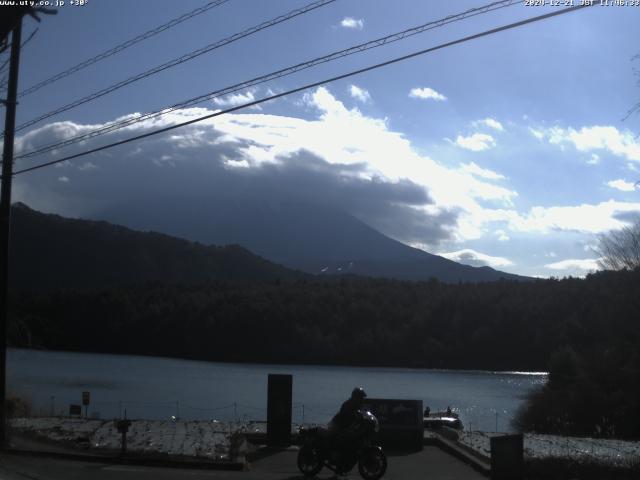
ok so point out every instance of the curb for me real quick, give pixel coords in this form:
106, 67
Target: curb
478, 464
147, 462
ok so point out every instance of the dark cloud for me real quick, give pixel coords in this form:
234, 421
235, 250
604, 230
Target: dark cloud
152, 183
628, 216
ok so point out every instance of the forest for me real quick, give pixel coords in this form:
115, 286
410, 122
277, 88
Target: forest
585, 332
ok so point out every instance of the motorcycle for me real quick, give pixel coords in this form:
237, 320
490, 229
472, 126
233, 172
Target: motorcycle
340, 452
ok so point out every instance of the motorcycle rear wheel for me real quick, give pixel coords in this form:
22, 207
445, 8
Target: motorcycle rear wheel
310, 460
372, 464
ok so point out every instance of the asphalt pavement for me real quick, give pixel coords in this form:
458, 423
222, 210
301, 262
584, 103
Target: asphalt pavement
431, 462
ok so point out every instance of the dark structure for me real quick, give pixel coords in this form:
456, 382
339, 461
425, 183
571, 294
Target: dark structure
507, 457
279, 403
401, 424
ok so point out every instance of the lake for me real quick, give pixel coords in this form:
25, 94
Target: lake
158, 388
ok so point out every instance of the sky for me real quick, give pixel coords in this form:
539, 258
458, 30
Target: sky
514, 150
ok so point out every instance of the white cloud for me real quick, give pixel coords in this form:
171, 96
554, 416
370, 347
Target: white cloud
502, 235
608, 138
352, 23
359, 94
539, 134
594, 160
468, 256
491, 123
621, 185
586, 218
63, 179
585, 265
426, 93
476, 142
235, 99
474, 169
86, 166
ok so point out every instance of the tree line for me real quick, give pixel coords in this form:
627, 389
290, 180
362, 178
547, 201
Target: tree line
584, 331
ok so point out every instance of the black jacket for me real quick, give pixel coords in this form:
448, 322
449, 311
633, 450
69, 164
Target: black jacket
347, 414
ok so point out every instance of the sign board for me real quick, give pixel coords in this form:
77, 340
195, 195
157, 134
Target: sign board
279, 403
123, 425
401, 425
75, 410
85, 398
507, 457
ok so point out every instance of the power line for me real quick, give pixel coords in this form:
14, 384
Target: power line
122, 46
312, 85
117, 125
179, 60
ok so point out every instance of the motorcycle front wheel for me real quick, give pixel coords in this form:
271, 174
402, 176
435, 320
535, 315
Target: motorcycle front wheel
310, 460
372, 464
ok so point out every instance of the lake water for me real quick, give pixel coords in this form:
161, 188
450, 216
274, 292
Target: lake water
157, 388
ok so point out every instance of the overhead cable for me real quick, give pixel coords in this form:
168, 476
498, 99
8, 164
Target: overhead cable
123, 46
177, 61
312, 85
119, 124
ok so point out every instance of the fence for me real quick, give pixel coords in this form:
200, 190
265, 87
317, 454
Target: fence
166, 410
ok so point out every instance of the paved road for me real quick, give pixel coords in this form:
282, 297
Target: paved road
431, 463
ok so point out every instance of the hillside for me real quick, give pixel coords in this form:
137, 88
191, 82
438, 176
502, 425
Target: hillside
49, 251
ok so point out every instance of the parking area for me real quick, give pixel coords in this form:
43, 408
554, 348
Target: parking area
431, 462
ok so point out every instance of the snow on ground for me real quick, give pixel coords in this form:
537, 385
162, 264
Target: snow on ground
606, 452
211, 439
198, 438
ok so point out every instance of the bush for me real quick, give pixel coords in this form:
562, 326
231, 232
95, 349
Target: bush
17, 406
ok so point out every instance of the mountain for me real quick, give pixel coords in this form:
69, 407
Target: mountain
307, 237
49, 251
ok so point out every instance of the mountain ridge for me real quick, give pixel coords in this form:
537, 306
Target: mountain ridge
50, 251
300, 236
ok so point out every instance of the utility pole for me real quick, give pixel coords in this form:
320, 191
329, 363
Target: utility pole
5, 216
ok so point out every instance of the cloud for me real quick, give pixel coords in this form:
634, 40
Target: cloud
476, 142
502, 235
608, 138
352, 23
585, 218
426, 93
366, 169
594, 160
235, 99
471, 257
474, 169
359, 94
585, 265
539, 134
87, 166
621, 185
489, 122
63, 179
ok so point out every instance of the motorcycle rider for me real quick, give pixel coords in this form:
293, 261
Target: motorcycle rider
348, 411
339, 434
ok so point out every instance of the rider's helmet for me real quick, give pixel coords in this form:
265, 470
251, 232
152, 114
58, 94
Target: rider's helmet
358, 393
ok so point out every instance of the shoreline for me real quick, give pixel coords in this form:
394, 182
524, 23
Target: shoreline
302, 364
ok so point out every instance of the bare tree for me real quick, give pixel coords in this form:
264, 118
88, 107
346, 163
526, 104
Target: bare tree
620, 249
